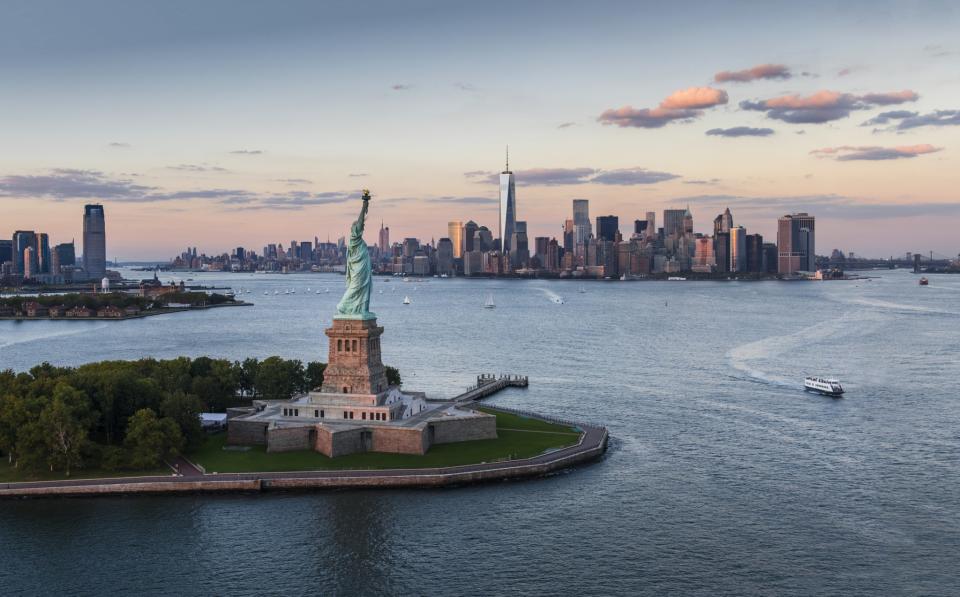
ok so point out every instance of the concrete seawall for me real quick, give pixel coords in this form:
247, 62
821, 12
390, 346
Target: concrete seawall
592, 445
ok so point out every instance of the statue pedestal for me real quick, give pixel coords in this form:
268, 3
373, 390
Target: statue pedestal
353, 362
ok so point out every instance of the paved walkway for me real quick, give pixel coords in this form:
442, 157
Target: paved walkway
186, 468
592, 443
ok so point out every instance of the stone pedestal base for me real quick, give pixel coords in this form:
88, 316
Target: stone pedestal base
353, 364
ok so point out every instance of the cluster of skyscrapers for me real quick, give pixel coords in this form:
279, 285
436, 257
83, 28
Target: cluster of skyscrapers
587, 248
582, 251
28, 256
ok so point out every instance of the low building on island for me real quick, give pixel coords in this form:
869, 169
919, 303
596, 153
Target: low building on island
35, 309
78, 312
111, 311
356, 409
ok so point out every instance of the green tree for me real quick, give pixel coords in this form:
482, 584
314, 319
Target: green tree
314, 375
185, 410
247, 374
64, 435
150, 439
280, 379
33, 451
393, 376
13, 415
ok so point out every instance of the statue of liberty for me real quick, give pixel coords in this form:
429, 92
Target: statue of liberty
355, 303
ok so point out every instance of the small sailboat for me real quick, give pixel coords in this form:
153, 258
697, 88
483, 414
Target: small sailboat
318, 292
489, 304
266, 292
406, 300
276, 292
582, 290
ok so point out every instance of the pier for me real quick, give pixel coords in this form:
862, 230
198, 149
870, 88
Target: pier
489, 384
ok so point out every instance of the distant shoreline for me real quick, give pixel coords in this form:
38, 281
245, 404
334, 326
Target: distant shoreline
141, 315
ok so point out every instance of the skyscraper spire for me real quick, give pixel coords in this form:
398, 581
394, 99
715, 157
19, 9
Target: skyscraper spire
507, 169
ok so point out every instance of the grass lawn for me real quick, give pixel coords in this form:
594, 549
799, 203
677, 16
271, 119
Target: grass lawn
519, 437
8, 474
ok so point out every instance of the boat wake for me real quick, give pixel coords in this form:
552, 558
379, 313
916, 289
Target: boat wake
747, 358
899, 307
553, 296
7, 340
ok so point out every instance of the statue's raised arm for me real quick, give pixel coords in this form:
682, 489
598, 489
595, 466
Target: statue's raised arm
363, 210
355, 303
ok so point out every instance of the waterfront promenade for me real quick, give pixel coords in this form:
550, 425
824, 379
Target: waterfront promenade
590, 446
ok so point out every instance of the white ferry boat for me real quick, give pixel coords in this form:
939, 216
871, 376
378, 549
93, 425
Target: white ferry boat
827, 387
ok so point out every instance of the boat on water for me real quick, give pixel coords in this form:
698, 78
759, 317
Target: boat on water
318, 292
558, 300
822, 385
489, 304
924, 282
276, 292
406, 300
582, 290
676, 279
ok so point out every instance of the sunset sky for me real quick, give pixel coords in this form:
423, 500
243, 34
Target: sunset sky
218, 124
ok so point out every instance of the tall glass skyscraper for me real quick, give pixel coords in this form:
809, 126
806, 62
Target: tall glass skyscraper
94, 241
508, 206
581, 221
738, 249
608, 227
455, 234
795, 244
23, 240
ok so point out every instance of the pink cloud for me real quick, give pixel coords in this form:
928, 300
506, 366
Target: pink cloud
847, 153
682, 105
761, 71
647, 118
890, 97
694, 98
820, 99
824, 106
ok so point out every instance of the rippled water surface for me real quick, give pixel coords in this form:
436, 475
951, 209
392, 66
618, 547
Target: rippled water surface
723, 477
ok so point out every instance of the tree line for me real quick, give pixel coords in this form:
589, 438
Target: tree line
116, 299
118, 415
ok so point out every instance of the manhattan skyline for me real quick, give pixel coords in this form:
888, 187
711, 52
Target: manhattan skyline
230, 124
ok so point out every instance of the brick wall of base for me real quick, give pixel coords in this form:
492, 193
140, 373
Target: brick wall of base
246, 433
339, 440
401, 440
333, 442
463, 430
289, 439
